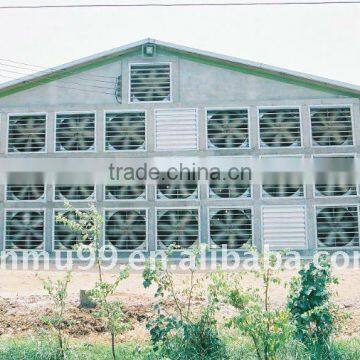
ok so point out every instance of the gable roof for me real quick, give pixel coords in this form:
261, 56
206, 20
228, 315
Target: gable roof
229, 62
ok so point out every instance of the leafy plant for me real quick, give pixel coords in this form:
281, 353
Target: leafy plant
58, 292
316, 318
110, 312
180, 327
88, 223
269, 328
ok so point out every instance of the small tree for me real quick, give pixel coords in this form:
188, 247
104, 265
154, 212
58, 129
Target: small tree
269, 328
110, 312
88, 223
182, 328
58, 292
316, 318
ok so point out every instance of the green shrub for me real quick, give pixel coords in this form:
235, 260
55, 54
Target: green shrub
58, 292
110, 312
269, 328
314, 315
185, 331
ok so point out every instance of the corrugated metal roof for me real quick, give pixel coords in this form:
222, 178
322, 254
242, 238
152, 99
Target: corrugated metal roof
234, 63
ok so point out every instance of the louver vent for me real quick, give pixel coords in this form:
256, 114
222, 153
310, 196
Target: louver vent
126, 229
179, 190
335, 177
150, 83
75, 192
75, 132
24, 230
177, 226
176, 129
230, 227
285, 184
25, 192
331, 126
279, 127
125, 131
125, 192
229, 189
284, 227
64, 238
27, 133
227, 129
337, 226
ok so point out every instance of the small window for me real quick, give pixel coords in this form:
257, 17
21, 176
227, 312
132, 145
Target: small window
26, 133
150, 83
125, 131
75, 132
227, 129
279, 127
331, 126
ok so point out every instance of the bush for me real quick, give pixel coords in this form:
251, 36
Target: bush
312, 311
184, 331
268, 328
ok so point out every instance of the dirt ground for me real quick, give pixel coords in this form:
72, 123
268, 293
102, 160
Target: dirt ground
23, 303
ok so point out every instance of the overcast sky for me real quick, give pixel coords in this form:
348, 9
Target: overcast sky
320, 40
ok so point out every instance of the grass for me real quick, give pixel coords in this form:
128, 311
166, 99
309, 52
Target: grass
45, 349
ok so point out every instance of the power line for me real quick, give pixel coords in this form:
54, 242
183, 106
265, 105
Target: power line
60, 86
63, 81
143, 5
68, 72
82, 77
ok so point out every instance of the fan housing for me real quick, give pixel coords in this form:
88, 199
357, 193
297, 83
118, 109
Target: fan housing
227, 129
126, 229
24, 230
231, 227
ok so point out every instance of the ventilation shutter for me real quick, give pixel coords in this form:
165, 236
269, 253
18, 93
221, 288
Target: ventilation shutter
126, 229
125, 131
27, 133
150, 83
125, 192
24, 230
331, 126
279, 127
227, 129
75, 192
337, 226
29, 192
231, 227
75, 132
336, 176
187, 188
179, 227
229, 189
176, 129
64, 238
284, 227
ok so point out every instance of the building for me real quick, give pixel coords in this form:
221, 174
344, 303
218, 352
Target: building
156, 100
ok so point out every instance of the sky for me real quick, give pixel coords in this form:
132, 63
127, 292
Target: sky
319, 40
